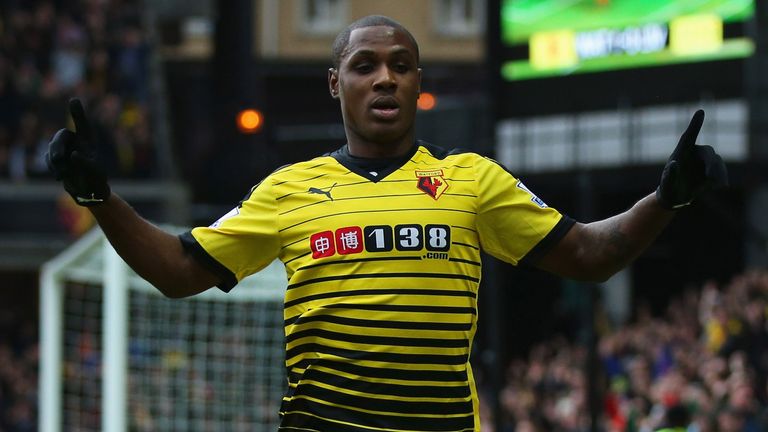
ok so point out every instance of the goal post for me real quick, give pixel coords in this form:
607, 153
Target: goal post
116, 355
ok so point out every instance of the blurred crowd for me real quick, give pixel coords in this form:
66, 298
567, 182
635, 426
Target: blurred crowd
18, 371
52, 50
701, 367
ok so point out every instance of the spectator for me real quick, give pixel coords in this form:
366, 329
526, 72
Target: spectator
676, 419
69, 54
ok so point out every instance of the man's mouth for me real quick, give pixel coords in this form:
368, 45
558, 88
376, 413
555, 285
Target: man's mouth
385, 108
386, 113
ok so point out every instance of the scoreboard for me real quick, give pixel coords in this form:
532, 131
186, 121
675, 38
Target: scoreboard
566, 55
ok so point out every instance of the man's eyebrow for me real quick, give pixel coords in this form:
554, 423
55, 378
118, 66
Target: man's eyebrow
363, 52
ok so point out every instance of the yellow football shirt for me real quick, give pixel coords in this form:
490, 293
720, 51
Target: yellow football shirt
384, 268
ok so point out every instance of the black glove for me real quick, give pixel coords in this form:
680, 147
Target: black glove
71, 159
690, 170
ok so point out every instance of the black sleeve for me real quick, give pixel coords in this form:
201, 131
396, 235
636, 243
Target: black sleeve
548, 242
227, 279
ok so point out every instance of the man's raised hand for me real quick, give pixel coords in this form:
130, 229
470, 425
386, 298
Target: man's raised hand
71, 158
691, 169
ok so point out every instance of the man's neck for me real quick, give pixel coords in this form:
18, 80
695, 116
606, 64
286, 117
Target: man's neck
374, 150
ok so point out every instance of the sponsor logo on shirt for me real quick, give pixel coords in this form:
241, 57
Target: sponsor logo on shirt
434, 238
322, 191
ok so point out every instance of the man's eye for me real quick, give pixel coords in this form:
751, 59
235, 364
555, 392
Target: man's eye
402, 68
364, 68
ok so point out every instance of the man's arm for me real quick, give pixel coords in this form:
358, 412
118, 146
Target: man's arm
154, 254
595, 251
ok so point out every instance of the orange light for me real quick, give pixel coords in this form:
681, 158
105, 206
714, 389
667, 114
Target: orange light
250, 121
426, 101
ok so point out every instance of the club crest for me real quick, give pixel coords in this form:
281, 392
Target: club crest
431, 182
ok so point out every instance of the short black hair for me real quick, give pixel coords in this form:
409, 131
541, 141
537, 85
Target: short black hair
677, 416
342, 39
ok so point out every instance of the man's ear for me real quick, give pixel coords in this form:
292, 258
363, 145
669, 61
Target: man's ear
419, 81
333, 82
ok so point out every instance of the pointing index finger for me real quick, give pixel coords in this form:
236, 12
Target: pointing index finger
82, 126
688, 140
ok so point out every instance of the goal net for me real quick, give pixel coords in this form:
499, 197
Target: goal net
116, 355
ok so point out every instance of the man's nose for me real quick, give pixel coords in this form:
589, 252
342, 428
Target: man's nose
385, 79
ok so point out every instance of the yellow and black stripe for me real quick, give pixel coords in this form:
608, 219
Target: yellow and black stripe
384, 268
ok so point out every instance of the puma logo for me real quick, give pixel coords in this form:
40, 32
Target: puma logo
92, 199
319, 191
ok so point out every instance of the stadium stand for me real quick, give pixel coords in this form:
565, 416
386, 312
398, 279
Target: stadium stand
18, 372
50, 51
705, 359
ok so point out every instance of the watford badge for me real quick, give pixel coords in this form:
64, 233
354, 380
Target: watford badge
432, 183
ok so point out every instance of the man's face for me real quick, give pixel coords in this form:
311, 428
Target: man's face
378, 83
